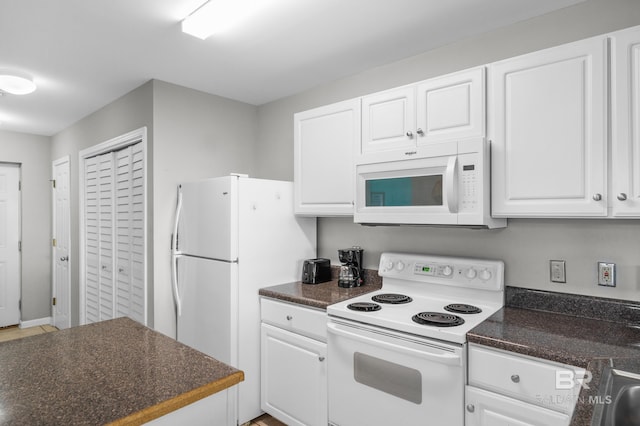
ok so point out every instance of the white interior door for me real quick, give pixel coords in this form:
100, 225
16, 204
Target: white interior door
61, 233
9, 244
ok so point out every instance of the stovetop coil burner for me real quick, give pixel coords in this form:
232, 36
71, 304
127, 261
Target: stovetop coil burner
462, 308
438, 319
364, 306
393, 298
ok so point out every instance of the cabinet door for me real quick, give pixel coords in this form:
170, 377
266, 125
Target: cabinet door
294, 377
491, 409
625, 128
324, 144
548, 131
451, 107
388, 120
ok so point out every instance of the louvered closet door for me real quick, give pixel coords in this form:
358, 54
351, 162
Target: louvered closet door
114, 235
129, 233
99, 289
105, 235
92, 245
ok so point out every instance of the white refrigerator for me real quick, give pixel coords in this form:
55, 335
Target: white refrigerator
232, 236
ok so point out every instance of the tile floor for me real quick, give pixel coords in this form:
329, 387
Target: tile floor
10, 333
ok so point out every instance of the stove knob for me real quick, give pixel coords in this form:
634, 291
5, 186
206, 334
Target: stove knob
485, 274
400, 266
447, 271
471, 273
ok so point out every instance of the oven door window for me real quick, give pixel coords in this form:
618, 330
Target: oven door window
394, 379
409, 191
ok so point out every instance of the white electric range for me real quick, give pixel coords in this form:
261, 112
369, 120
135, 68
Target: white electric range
404, 346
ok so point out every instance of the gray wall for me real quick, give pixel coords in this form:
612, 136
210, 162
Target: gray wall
526, 246
191, 135
33, 153
196, 136
131, 111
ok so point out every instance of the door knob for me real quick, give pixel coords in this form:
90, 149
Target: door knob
64, 258
597, 197
289, 317
471, 408
320, 358
622, 196
410, 134
515, 378
420, 132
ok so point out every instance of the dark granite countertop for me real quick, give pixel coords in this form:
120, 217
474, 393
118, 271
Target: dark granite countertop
590, 343
115, 371
323, 294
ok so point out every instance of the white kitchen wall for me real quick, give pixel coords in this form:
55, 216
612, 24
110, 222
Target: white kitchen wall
196, 136
34, 154
526, 245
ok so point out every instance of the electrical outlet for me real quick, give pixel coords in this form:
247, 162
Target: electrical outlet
607, 274
558, 271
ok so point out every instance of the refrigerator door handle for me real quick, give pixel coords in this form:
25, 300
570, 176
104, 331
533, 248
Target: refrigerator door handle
175, 255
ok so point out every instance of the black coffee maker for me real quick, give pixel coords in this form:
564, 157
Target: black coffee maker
351, 271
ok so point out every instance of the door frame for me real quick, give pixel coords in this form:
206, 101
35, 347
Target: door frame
119, 142
54, 288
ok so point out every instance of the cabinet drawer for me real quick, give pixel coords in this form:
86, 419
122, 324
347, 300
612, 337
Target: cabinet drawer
551, 385
309, 322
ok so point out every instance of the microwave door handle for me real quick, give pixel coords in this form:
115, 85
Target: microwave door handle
451, 183
444, 358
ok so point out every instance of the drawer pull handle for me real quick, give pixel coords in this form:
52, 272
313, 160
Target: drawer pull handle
515, 378
320, 358
289, 317
471, 408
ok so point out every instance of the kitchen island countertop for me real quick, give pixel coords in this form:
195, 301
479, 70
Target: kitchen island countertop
112, 372
589, 343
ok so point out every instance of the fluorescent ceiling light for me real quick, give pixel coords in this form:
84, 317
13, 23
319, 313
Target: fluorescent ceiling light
16, 84
216, 16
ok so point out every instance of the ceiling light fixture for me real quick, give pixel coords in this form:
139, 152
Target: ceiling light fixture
216, 16
16, 84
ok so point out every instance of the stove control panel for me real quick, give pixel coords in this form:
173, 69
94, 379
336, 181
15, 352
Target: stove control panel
457, 271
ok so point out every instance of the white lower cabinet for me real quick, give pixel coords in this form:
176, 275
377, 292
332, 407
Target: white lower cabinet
518, 390
214, 410
293, 366
492, 409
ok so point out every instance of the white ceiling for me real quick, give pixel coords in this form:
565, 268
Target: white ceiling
83, 54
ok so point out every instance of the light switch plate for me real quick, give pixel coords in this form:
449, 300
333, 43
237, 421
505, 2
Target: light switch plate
607, 274
558, 271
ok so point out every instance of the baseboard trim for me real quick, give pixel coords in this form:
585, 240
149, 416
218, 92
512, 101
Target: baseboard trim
36, 322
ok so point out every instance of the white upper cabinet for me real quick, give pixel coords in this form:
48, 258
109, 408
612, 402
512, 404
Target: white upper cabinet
451, 107
397, 123
548, 127
625, 126
389, 120
325, 140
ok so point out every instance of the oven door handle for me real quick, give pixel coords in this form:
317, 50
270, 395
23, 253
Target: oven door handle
449, 359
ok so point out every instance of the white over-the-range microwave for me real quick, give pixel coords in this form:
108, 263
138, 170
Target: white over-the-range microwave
447, 183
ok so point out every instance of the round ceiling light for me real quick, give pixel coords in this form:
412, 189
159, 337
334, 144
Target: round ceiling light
16, 84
